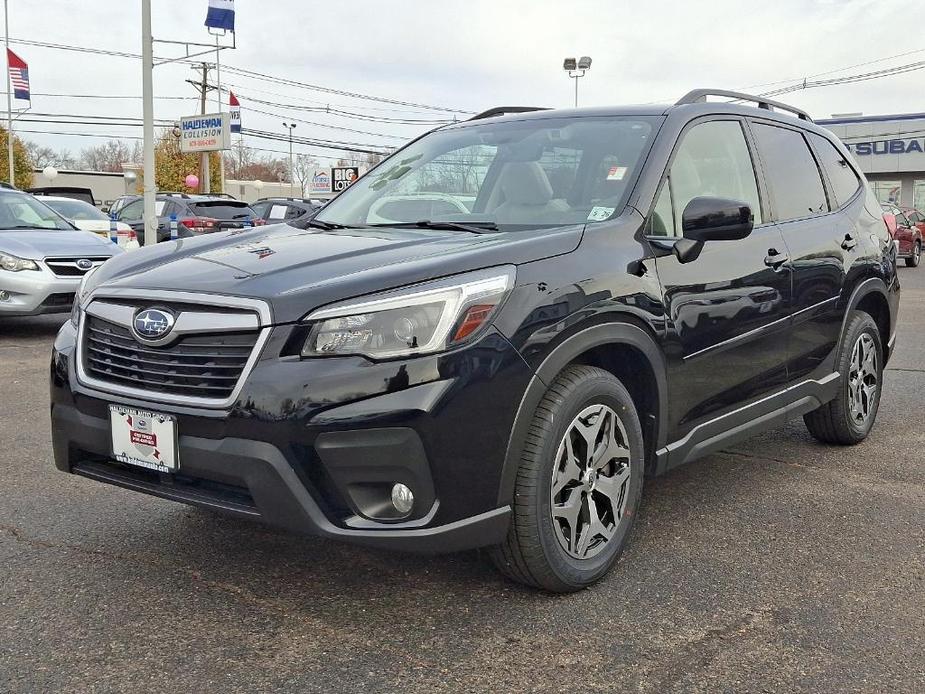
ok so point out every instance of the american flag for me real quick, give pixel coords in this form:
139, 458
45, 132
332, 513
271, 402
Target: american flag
19, 75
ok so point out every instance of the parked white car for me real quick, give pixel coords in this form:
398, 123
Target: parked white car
85, 216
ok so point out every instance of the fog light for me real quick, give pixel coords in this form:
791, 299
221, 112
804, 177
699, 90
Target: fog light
4, 295
402, 498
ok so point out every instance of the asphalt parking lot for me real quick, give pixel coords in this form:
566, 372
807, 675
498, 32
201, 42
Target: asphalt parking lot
779, 565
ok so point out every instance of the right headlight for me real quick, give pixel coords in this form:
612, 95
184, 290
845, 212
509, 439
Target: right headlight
11, 263
419, 319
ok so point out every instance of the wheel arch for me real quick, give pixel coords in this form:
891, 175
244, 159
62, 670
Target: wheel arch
624, 349
871, 296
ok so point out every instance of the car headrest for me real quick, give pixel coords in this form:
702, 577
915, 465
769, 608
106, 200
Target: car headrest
525, 183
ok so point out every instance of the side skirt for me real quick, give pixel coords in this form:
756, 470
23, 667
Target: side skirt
747, 421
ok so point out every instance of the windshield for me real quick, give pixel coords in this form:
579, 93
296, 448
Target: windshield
21, 211
76, 210
514, 175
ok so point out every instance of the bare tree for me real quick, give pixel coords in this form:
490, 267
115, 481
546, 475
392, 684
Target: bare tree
39, 155
108, 156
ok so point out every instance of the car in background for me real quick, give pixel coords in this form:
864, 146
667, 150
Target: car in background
74, 192
195, 214
87, 217
292, 211
906, 234
42, 257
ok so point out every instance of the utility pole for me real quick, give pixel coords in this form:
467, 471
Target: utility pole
147, 90
9, 89
203, 86
218, 98
291, 127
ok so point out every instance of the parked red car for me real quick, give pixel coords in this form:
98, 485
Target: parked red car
906, 232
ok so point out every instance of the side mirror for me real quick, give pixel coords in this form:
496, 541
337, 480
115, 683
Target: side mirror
712, 219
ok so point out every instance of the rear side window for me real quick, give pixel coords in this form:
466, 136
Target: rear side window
793, 177
844, 180
222, 210
712, 160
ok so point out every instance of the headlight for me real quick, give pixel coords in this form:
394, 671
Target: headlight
415, 320
13, 264
80, 295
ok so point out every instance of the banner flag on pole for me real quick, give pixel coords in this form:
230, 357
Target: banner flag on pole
220, 15
19, 75
235, 108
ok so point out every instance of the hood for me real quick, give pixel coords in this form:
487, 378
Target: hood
299, 270
35, 244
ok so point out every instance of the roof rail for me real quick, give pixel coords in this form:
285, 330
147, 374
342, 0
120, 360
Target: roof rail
502, 110
700, 95
173, 194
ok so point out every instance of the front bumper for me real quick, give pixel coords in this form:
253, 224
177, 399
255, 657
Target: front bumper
314, 446
34, 292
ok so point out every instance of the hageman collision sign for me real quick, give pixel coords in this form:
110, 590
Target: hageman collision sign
206, 133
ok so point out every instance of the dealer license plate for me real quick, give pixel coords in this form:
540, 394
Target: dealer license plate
146, 439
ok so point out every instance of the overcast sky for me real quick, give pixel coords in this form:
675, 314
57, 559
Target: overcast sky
468, 55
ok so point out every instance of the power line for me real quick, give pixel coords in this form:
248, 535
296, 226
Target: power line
244, 73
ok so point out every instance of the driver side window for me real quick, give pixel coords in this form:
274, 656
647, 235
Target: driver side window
713, 160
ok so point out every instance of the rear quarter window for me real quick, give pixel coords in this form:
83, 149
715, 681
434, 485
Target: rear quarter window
842, 177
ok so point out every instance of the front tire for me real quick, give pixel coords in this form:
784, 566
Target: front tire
914, 259
578, 485
848, 418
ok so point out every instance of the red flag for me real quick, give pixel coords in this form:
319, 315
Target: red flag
233, 100
235, 108
19, 75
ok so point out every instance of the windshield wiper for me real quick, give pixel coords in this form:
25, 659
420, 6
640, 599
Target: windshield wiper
321, 224
32, 226
472, 227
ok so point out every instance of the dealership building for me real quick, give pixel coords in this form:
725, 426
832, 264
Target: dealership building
890, 151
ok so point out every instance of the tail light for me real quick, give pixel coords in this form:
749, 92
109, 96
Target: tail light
258, 222
201, 225
129, 235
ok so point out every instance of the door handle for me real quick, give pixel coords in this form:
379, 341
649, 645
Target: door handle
775, 259
848, 243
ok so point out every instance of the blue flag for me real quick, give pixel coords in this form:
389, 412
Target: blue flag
221, 15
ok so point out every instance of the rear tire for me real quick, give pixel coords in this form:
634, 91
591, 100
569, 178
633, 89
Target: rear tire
848, 418
914, 259
578, 485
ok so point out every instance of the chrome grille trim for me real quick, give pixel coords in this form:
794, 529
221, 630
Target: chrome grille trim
257, 314
67, 266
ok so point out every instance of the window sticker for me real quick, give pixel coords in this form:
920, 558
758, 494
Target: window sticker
278, 211
599, 214
616, 173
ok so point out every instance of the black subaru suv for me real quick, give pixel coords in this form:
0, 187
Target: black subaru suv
599, 295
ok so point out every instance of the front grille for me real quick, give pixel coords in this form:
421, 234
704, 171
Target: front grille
67, 267
203, 366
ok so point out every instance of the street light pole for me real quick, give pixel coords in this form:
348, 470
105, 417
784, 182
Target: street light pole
576, 69
291, 127
147, 91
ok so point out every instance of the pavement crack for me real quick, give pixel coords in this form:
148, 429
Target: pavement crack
700, 650
752, 456
906, 369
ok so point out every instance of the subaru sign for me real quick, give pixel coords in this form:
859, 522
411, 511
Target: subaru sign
207, 133
895, 146
152, 324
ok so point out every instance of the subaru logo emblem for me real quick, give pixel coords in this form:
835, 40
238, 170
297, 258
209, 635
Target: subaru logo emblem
84, 264
152, 324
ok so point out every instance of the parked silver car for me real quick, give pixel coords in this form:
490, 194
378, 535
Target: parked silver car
42, 257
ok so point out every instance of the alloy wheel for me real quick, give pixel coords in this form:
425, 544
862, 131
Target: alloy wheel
590, 482
863, 379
